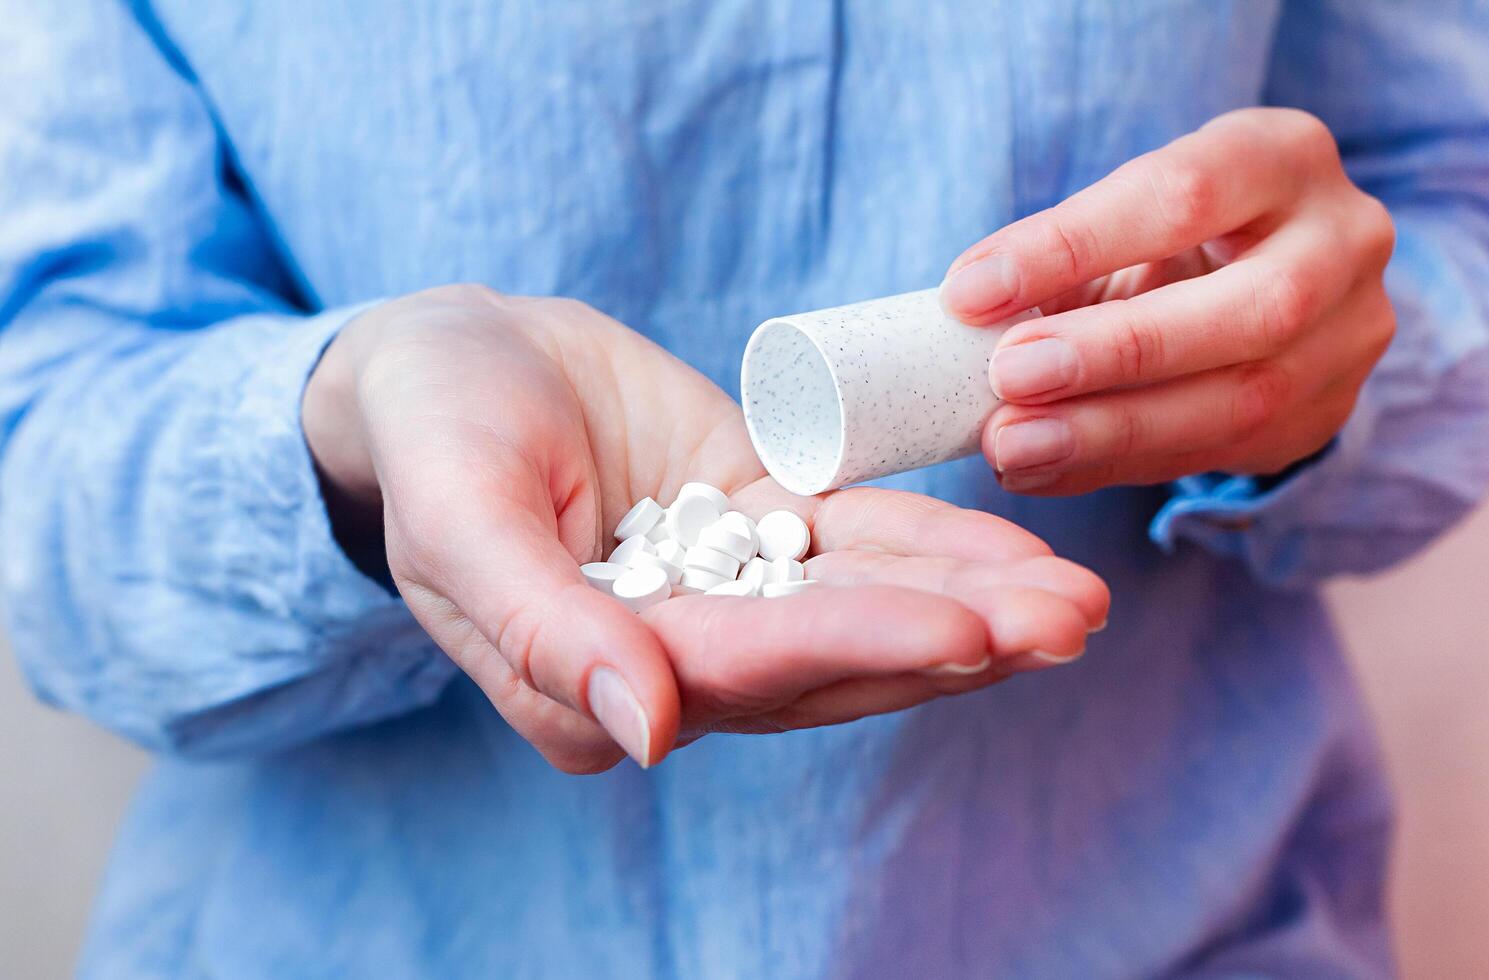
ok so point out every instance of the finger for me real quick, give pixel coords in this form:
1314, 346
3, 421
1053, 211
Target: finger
1199, 187
744, 655
976, 584
1213, 410
499, 559
850, 700
1253, 308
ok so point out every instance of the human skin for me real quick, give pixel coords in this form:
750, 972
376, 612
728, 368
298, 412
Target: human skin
495, 441
1214, 305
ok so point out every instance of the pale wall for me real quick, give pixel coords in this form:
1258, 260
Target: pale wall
1421, 636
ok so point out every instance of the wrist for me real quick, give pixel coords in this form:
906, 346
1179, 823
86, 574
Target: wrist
331, 421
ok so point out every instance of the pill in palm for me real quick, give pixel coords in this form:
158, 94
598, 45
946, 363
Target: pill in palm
641, 588
738, 587
698, 580
783, 535
602, 575
697, 545
688, 517
650, 559
742, 524
625, 553
708, 492
784, 570
729, 539
776, 590
754, 573
671, 552
710, 560
639, 519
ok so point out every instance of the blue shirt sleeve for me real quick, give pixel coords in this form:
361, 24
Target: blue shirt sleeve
1405, 91
168, 564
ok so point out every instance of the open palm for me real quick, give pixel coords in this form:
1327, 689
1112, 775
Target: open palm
504, 438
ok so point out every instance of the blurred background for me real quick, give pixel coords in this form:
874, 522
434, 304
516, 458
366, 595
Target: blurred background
1420, 641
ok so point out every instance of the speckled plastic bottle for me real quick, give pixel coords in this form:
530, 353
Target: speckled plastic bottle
848, 394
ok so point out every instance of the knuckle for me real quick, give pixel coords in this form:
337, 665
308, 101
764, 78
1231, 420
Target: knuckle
1071, 239
1131, 432
1377, 234
1187, 195
1137, 343
1261, 393
465, 294
1302, 130
1291, 300
516, 638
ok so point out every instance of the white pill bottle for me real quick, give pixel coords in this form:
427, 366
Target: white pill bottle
856, 392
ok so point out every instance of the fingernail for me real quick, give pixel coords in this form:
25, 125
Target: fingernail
1030, 443
980, 287
960, 670
616, 708
1022, 483
1039, 660
1098, 627
1032, 369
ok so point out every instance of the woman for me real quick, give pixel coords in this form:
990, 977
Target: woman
220, 449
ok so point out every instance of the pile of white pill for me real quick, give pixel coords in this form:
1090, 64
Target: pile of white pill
699, 545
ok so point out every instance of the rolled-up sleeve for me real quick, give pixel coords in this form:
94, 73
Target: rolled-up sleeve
168, 565
1405, 91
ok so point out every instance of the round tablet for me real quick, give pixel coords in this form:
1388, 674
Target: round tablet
754, 573
641, 588
639, 519
697, 580
775, 590
688, 517
783, 535
602, 575
659, 534
671, 552
711, 561
742, 523
722, 537
627, 550
709, 492
784, 570
648, 559
736, 588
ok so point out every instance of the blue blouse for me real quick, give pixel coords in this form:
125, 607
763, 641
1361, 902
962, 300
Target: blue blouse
196, 194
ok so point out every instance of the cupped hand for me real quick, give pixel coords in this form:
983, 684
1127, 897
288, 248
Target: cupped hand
1214, 305
497, 441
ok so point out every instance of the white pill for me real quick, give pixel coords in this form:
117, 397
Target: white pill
659, 534
754, 573
736, 588
709, 492
698, 580
783, 535
721, 537
651, 560
688, 517
641, 588
602, 575
784, 570
671, 552
639, 519
625, 553
775, 590
710, 560
742, 523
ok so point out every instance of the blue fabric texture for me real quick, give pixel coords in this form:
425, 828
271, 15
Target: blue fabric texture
195, 196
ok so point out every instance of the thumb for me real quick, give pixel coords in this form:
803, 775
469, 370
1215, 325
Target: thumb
500, 560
